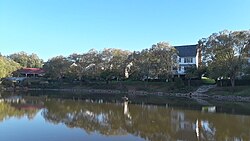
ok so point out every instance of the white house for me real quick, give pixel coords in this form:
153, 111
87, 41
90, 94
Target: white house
188, 55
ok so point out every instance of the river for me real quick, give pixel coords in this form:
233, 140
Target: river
52, 116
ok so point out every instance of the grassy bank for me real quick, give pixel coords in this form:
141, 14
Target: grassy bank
167, 87
207, 81
226, 91
176, 86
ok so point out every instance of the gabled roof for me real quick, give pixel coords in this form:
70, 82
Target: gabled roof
31, 71
186, 50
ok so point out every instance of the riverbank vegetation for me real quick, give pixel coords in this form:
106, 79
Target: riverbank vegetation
176, 85
7, 66
226, 54
226, 91
224, 57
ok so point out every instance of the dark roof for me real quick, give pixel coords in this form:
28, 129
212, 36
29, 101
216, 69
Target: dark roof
187, 50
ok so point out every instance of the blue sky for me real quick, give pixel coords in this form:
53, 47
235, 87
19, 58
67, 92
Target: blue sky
61, 27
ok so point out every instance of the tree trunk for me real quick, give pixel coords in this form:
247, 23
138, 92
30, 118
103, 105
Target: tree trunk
189, 82
232, 79
107, 80
80, 79
146, 82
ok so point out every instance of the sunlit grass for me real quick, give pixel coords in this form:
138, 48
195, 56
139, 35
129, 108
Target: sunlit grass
206, 80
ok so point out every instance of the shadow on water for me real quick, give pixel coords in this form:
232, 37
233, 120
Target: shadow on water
239, 108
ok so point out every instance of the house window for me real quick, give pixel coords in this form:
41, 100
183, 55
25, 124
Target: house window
185, 68
179, 59
179, 68
188, 60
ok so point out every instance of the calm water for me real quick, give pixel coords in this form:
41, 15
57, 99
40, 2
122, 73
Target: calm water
49, 118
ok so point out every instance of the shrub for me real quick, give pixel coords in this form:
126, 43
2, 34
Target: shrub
178, 83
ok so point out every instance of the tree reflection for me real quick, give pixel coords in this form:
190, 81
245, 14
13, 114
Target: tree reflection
146, 121
7, 111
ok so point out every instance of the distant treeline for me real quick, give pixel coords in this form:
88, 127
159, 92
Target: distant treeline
225, 55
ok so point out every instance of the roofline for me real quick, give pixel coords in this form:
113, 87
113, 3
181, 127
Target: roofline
186, 56
186, 45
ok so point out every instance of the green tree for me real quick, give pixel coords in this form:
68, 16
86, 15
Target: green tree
75, 71
225, 53
7, 66
86, 65
157, 62
133, 66
191, 72
92, 63
113, 63
163, 60
57, 67
27, 61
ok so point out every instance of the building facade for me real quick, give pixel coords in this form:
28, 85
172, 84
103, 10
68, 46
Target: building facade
30, 72
188, 56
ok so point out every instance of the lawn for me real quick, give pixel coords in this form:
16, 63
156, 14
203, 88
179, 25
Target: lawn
237, 91
207, 81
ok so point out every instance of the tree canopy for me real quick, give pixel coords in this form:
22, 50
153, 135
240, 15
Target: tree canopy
57, 67
7, 66
159, 61
225, 53
26, 60
224, 56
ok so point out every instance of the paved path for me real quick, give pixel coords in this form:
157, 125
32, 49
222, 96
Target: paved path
199, 93
203, 89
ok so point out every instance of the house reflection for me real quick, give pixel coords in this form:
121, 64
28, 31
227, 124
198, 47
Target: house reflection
204, 130
182, 127
126, 110
18, 107
180, 123
209, 109
14, 99
22, 103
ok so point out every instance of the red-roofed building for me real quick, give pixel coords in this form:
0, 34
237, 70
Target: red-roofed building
30, 72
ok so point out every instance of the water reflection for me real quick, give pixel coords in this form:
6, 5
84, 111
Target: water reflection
210, 109
204, 130
122, 119
126, 110
16, 106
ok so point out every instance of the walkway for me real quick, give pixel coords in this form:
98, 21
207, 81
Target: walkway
199, 93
